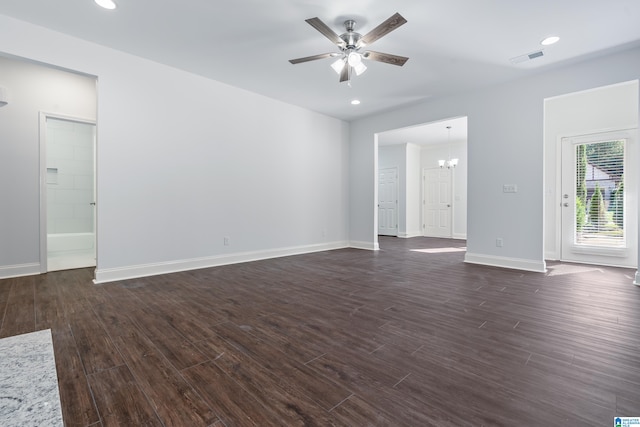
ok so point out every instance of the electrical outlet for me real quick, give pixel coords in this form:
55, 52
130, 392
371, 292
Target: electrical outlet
226, 241
509, 188
499, 242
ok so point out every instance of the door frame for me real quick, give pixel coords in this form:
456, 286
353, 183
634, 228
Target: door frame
43, 116
424, 201
629, 158
396, 169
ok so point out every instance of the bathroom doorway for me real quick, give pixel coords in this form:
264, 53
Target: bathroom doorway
68, 196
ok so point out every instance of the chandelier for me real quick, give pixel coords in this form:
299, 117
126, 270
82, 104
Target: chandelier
451, 163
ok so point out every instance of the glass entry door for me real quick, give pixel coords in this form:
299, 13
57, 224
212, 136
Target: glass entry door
599, 199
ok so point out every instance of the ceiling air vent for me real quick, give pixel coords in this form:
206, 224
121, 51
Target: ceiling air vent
527, 57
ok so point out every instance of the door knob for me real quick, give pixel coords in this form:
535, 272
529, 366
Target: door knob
92, 203
566, 205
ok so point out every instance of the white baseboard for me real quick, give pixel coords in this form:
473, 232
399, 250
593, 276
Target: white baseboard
505, 262
9, 271
369, 246
637, 279
551, 255
457, 236
410, 235
130, 272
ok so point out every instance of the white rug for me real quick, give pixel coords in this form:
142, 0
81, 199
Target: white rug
28, 381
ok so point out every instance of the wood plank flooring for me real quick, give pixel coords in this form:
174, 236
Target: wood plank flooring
346, 338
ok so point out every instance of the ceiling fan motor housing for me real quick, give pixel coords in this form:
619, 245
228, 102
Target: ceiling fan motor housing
350, 38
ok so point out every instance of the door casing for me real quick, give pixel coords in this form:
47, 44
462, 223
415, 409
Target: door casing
388, 201
626, 257
437, 202
43, 180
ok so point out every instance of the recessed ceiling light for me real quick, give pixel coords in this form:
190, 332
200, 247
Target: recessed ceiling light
355, 102
107, 4
550, 40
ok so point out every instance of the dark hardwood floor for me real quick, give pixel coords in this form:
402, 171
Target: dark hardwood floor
348, 337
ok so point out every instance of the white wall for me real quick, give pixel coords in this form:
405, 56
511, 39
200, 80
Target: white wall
413, 225
603, 109
457, 150
505, 146
32, 88
184, 161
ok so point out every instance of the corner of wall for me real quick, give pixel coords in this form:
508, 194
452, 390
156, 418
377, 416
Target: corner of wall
505, 262
370, 246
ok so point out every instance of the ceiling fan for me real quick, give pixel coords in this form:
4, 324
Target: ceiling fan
351, 44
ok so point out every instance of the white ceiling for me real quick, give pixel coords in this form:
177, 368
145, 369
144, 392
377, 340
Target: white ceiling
453, 45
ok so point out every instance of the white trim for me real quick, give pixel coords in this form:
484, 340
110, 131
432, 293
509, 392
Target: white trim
369, 246
9, 271
130, 272
505, 262
636, 281
459, 236
42, 134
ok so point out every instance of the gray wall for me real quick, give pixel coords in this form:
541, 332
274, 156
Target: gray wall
505, 146
32, 88
184, 162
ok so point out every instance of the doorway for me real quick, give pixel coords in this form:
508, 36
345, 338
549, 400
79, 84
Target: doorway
67, 236
437, 192
388, 202
599, 207
414, 150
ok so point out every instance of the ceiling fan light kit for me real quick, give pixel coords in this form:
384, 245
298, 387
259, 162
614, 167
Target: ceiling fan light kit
351, 43
107, 4
338, 65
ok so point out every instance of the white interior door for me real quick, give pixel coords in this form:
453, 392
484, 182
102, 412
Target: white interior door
437, 212
599, 215
68, 196
388, 202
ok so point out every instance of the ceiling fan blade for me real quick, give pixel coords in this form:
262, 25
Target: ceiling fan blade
344, 74
383, 29
387, 58
325, 30
311, 58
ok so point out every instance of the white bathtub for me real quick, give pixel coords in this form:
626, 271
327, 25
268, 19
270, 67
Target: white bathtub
70, 242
